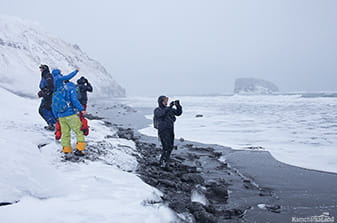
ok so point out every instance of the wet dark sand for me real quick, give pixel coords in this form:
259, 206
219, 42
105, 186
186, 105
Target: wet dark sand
233, 188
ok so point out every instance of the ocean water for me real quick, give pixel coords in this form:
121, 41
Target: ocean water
300, 130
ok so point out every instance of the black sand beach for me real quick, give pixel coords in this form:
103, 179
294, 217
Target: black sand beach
248, 186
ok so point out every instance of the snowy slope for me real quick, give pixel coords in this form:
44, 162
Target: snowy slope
49, 189
24, 46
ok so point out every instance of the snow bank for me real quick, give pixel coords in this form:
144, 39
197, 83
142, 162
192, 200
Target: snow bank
49, 190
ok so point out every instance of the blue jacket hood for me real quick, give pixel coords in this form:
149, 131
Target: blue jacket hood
56, 72
59, 78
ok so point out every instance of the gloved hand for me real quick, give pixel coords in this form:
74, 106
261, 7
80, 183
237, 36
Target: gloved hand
177, 102
171, 104
40, 94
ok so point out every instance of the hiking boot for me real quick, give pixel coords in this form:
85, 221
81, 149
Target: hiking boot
79, 153
80, 146
50, 127
67, 149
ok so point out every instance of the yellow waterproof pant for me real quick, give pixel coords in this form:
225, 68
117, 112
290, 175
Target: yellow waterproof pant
69, 123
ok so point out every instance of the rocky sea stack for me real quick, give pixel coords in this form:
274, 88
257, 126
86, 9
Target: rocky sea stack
254, 86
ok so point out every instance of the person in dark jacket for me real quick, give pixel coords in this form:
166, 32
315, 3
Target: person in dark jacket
165, 117
83, 87
46, 93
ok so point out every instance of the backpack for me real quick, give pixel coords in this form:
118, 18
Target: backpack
155, 122
60, 103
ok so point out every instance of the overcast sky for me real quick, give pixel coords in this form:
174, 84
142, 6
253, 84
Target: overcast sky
198, 47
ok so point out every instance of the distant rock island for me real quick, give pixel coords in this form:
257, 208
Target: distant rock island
254, 86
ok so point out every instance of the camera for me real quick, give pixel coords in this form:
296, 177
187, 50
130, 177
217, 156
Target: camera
176, 102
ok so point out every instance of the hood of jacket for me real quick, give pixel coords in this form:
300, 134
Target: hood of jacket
160, 101
56, 72
45, 72
57, 76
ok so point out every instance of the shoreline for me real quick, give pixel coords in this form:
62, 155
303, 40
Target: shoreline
259, 188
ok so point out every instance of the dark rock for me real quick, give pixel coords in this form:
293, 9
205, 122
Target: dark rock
178, 203
179, 158
7, 203
126, 134
93, 117
192, 178
199, 116
201, 215
203, 149
42, 145
216, 191
185, 187
168, 183
255, 147
106, 123
274, 208
217, 154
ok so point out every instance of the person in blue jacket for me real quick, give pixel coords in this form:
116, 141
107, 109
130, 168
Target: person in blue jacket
46, 93
59, 79
65, 107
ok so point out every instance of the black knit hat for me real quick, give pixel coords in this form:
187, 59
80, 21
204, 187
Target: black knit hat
44, 67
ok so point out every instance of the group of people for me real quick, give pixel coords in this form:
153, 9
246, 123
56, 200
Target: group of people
63, 107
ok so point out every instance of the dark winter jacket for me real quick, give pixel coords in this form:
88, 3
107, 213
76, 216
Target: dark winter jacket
72, 99
83, 88
166, 116
46, 84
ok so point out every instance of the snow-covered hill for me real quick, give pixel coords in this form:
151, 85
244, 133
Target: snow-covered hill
24, 46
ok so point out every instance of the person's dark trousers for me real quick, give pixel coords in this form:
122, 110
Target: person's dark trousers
46, 111
167, 140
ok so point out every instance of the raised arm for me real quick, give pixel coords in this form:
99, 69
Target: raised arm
89, 87
69, 76
179, 110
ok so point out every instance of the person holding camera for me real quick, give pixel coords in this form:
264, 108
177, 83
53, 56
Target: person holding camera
164, 118
83, 87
